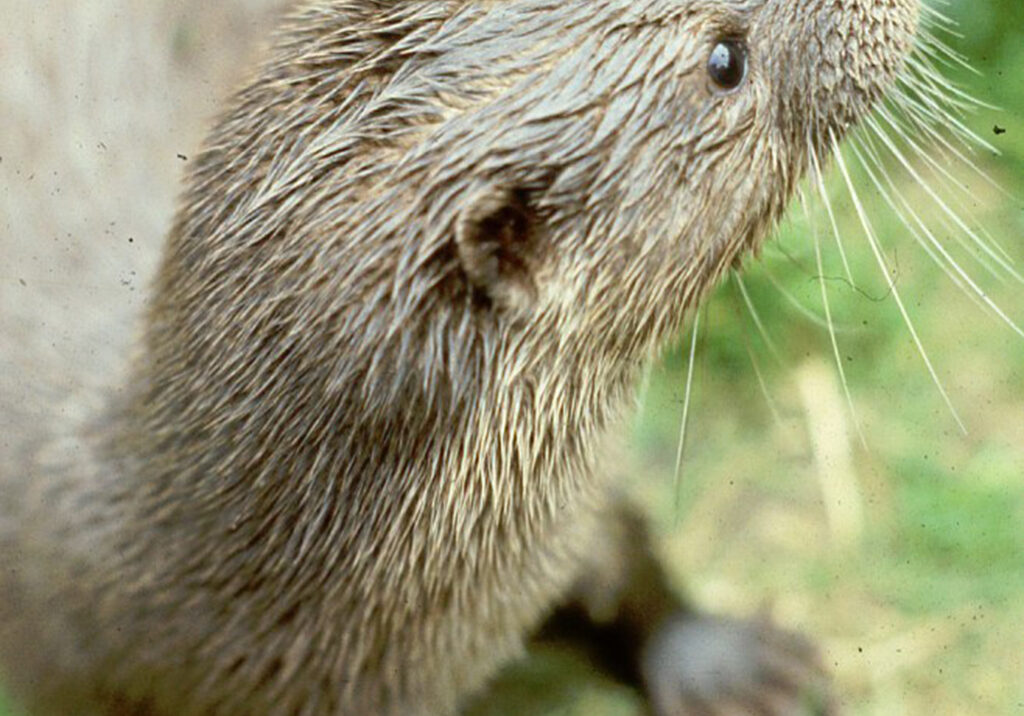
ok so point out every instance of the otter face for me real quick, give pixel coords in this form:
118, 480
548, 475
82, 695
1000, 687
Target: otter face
655, 141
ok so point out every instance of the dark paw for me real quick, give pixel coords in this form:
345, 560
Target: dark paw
706, 666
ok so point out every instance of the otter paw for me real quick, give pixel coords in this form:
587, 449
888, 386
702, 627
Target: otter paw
708, 666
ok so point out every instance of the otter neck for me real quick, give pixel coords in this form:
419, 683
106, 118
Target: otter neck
306, 467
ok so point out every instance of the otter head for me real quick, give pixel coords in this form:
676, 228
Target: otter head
412, 192
637, 148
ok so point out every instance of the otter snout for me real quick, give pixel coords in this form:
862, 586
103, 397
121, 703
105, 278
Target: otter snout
836, 58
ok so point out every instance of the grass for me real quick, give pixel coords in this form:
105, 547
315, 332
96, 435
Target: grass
918, 597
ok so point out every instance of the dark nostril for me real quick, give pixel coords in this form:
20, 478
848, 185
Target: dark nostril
727, 65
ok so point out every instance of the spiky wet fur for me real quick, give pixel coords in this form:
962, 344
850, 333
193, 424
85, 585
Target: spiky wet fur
340, 480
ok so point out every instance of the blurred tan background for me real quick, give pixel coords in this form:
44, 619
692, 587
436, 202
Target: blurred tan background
903, 554
99, 103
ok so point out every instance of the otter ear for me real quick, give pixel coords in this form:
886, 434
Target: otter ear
496, 240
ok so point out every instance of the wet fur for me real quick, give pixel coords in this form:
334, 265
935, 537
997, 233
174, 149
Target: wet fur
349, 471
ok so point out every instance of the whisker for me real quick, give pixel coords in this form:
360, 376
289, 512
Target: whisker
921, 72
949, 264
911, 111
867, 146
938, 110
738, 279
828, 317
772, 405
880, 259
835, 344
947, 91
686, 412
931, 17
755, 363
948, 180
942, 53
803, 310
950, 154
953, 185
823, 193
946, 110
981, 244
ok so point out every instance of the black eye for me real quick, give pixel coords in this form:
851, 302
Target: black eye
727, 65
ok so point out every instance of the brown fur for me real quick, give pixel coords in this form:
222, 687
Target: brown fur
415, 274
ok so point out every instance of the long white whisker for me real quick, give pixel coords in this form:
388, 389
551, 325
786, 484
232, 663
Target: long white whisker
925, 62
828, 316
772, 406
921, 111
942, 53
803, 310
865, 144
981, 244
823, 192
953, 184
835, 343
876, 250
950, 263
765, 336
933, 18
912, 112
950, 111
948, 180
686, 410
944, 97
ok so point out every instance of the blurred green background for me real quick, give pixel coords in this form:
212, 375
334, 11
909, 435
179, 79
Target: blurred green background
914, 584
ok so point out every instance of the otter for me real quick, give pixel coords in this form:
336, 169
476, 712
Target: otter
404, 306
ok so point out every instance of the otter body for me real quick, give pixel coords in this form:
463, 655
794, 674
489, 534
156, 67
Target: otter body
414, 278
